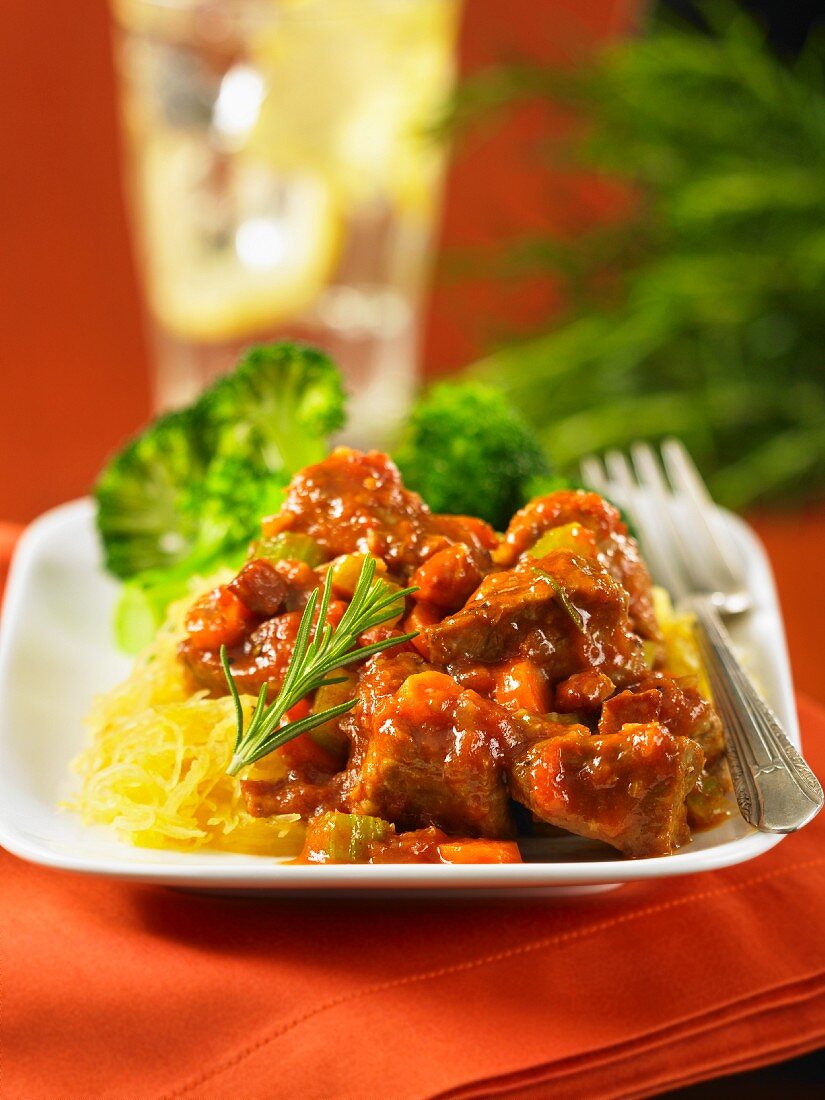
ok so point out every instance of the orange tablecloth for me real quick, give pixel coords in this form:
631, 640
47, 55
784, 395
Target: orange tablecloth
137, 993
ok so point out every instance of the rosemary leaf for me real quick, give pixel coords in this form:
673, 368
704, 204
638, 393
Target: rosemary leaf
316, 654
561, 595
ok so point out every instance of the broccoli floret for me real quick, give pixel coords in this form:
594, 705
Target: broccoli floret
203, 476
467, 452
230, 500
187, 495
140, 492
279, 407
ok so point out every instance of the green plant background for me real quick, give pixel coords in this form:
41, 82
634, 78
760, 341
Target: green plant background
701, 315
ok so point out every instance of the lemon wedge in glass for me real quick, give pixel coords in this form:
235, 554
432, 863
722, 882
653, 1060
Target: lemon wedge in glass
360, 115
227, 262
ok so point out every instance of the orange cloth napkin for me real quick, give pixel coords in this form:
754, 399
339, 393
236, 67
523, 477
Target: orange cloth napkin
123, 992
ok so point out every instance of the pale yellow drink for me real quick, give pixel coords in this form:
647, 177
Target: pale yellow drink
284, 174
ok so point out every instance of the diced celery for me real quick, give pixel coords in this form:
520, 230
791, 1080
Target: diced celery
137, 618
708, 802
566, 537
330, 734
346, 571
288, 546
344, 838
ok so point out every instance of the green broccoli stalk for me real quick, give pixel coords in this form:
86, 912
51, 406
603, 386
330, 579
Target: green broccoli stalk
466, 451
186, 496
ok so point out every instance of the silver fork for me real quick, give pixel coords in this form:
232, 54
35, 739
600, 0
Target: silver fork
665, 496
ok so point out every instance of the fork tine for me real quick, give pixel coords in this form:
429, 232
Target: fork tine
677, 568
654, 541
592, 474
686, 479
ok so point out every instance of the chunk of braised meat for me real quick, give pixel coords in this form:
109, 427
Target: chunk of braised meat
583, 691
380, 678
617, 549
261, 588
309, 782
448, 579
426, 749
627, 789
557, 509
217, 618
313, 783
470, 530
349, 502
294, 794
301, 581
431, 756
354, 502
259, 658
677, 705
299, 792
629, 708
564, 613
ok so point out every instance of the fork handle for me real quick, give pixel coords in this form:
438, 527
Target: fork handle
776, 790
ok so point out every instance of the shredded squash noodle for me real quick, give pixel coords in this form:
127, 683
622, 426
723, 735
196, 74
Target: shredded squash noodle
155, 769
682, 657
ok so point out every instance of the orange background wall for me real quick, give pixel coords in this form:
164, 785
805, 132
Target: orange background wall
73, 362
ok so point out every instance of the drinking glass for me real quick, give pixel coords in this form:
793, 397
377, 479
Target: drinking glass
284, 171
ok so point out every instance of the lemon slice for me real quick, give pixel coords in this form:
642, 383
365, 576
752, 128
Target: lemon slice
353, 90
215, 274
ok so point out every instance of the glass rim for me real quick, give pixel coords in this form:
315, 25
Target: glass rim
271, 6
249, 14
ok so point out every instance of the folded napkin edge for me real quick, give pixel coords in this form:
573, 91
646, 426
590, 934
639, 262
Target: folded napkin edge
564, 1074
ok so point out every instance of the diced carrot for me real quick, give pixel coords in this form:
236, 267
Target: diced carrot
448, 578
427, 695
479, 851
422, 615
302, 709
274, 525
335, 612
218, 618
482, 531
304, 750
522, 685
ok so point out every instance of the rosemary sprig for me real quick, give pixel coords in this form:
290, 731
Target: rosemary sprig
564, 599
316, 654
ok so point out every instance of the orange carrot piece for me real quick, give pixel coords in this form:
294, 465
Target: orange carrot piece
422, 615
522, 686
218, 618
479, 851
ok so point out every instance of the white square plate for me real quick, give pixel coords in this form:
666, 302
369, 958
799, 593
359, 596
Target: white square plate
56, 653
